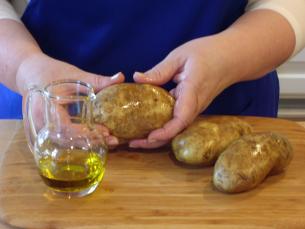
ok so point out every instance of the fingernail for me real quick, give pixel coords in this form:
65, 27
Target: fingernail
112, 141
132, 145
139, 74
116, 76
105, 134
151, 140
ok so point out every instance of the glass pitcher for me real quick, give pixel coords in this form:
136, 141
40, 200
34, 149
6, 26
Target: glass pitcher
69, 152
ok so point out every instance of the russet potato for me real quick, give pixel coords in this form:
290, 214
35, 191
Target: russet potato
247, 161
204, 140
131, 110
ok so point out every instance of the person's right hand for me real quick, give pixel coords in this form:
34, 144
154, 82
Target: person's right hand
40, 70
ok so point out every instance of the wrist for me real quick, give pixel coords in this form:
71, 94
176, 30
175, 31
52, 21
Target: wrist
27, 70
230, 65
220, 59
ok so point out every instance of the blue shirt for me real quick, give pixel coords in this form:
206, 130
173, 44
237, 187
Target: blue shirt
108, 36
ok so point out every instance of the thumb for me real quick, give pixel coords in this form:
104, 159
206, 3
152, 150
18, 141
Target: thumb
99, 82
160, 74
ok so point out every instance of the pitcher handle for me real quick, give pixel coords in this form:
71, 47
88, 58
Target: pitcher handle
29, 126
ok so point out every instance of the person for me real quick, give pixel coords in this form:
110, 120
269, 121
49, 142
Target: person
215, 56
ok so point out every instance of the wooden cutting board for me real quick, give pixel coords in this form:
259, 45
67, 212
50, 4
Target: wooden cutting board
149, 190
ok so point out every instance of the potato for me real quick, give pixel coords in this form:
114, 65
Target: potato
247, 161
131, 111
203, 141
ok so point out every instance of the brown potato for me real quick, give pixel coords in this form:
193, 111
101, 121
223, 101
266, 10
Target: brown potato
247, 161
203, 141
131, 111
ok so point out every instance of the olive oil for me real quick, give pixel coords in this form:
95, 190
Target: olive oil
72, 171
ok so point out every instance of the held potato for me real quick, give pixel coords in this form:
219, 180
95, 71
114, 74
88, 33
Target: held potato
203, 141
131, 110
247, 161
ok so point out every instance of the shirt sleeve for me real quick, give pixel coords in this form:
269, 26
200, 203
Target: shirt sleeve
7, 11
293, 11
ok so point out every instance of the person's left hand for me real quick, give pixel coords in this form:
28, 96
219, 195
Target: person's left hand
199, 68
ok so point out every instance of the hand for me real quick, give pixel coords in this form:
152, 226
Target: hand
200, 73
40, 70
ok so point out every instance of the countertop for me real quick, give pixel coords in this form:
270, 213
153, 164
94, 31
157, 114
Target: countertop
148, 189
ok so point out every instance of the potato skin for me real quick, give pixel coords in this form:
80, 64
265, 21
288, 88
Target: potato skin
247, 161
203, 141
131, 110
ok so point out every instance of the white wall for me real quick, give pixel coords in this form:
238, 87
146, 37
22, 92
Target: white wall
292, 77
292, 88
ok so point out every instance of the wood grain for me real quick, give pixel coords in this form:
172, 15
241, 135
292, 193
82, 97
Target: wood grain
150, 190
302, 124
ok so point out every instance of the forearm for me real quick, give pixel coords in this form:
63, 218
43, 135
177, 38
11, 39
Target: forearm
254, 45
16, 44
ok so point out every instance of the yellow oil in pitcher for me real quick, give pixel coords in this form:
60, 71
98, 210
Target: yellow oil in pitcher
72, 170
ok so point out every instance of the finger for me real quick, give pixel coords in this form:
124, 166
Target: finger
99, 82
96, 81
38, 112
168, 131
82, 129
145, 144
78, 134
102, 129
179, 77
172, 92
70, 128
186, 97
112, 141
160, 74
